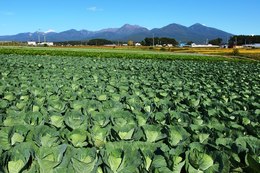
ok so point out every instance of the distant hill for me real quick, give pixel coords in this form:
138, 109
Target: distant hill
197, 33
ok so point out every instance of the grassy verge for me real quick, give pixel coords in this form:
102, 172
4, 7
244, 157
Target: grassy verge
112, 53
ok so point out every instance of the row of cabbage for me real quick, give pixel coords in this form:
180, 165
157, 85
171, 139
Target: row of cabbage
108, 53
77, 114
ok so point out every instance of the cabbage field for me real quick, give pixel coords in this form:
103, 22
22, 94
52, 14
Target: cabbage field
63, 114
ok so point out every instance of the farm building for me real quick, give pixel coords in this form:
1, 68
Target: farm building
31, 43
46, 43
256, 45
203, 45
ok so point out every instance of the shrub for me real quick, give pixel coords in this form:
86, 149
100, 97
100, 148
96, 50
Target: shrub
235, 52
163, 49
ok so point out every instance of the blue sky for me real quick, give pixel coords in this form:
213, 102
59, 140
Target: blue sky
234, 16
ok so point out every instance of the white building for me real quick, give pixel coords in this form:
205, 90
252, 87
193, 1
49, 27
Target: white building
110, 45
46, 43
138, 44
169, 45
31, 43
256, 45
203, 45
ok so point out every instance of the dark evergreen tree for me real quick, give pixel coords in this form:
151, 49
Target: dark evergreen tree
99, 42
216, 41
160, 41
243, 39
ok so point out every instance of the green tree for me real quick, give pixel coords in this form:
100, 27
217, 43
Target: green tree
165, 41
190, 42
216, 41
99, 42
243, 39
130, 43
161, 41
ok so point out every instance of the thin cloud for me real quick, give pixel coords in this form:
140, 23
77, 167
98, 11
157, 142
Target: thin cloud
94, 9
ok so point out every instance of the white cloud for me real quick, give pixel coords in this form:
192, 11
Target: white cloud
49, 30
94, 9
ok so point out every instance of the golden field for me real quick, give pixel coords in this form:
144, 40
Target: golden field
246, 53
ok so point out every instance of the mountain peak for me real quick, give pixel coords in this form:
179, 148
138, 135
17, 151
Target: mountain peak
128, 26
71, 30
108, 30
197, 25
131, 29
174, 25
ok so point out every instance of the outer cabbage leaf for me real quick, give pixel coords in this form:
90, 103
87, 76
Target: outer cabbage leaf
57, 106
199, 160
9, 96
153, 133
77, 104
35, 118
17, 158
3, 104
147, 150
76, 120
99, 135
249, 143
126, 132
4, 138
15, 166
57, 120
14, 118
122, 157
84, 160
16, 138
100, 118
78, 138
49, 158
253, 165
140, 117
46, 136
177, 134
122, 118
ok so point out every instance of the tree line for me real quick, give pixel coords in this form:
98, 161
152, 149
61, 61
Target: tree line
92, 42
159, 41
148, 41
244, 39
101, 42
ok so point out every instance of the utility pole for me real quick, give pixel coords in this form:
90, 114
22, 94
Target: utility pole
227, 40
39, 37
153, 40
30, 37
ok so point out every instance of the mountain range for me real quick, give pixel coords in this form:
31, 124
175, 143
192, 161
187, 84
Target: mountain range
197, 33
